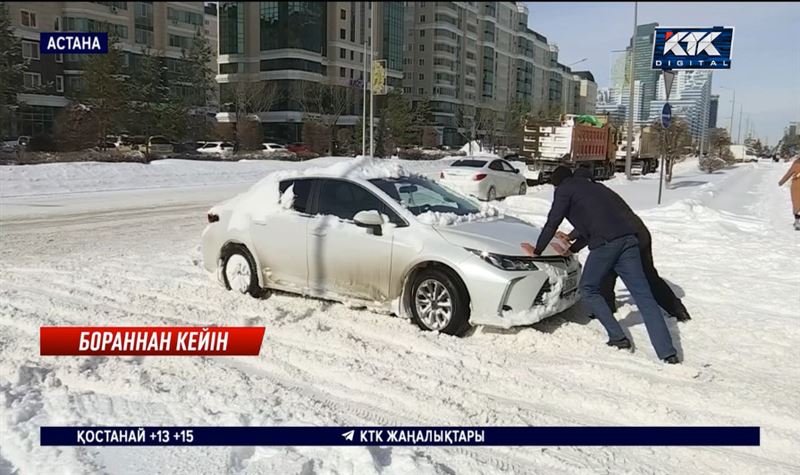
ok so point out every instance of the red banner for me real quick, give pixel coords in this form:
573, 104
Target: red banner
150, 341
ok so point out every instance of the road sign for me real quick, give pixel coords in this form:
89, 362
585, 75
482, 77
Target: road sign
379, 77
669, 77
666, 115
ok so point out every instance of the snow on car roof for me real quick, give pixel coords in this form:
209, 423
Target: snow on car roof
264, 197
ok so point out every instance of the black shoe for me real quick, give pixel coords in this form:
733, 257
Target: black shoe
621, 344
682, 315
672, 359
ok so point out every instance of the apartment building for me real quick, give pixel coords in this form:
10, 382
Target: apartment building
461, 56
294, 43
164, 28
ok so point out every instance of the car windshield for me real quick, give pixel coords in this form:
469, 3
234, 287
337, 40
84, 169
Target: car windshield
469, 163
419, 195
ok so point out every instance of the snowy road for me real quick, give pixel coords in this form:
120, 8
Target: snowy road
106, 258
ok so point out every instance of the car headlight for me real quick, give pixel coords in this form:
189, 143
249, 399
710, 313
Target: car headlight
505, 262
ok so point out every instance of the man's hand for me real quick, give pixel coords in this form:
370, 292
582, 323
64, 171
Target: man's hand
528, 249
563, 236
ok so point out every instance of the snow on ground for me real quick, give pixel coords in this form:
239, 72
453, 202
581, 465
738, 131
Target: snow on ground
723, 240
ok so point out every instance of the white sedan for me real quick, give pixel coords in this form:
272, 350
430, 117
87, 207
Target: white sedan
216, 148
486, 179
391, 241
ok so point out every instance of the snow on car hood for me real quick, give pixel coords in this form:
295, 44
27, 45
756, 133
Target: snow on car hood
501, 236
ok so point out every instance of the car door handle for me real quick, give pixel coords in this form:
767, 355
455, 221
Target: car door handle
319, 233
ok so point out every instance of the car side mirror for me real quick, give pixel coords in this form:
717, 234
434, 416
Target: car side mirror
516, 170
369, 219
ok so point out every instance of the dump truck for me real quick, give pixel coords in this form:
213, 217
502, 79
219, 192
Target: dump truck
645, 150
573, 141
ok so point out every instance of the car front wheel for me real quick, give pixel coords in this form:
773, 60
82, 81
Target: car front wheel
439, 302
239, 271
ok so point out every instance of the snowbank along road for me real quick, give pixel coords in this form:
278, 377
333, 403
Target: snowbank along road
107, 251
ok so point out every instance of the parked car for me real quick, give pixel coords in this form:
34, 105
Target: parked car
298, 148
216, 148
402, 243
159, 145
486, 179
274, 150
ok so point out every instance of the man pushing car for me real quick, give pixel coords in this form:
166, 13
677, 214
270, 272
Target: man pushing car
612, 246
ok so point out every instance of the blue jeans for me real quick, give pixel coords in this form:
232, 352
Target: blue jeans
622, 256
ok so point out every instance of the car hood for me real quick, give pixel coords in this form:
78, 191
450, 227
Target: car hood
501, 236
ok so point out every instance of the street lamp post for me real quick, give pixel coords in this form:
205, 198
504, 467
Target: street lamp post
628, 159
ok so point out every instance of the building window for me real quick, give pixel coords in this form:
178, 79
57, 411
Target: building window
421, 77
342, 34
421, 91
231, 27
28, 19
342, 53
343, 14
30, 50
422, 33
351, 74
422, 47
59, 83
422, 18
352, 55
57, 24
59, 57
297, 25
32, 80
342, 72
182, 16
229, 68
422, 62
182, 42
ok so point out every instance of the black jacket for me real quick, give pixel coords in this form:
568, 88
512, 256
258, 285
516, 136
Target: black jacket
642, 233
593, 211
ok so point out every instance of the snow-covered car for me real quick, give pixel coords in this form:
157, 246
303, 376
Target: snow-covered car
484, 178
216, 148
373, 235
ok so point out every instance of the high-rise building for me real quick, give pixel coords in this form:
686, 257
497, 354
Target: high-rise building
164, 28
690, 100
713, 111
460, 56
647, 77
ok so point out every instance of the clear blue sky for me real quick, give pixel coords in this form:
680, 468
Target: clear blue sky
765, 69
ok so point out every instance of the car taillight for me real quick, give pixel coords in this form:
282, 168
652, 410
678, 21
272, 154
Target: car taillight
479, 176
212, 218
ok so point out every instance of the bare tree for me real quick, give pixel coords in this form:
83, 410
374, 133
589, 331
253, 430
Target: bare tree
324, 103
249, 98
465, 124
488, 122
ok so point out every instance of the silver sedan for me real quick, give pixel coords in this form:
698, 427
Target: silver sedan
400, 243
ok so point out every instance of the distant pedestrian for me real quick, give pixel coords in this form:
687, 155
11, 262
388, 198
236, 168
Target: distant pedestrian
662, 292
794, 174
612, 246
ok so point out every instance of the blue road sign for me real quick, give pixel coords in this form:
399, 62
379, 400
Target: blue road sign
666, 115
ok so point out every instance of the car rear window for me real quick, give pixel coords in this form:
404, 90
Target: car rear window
469, 163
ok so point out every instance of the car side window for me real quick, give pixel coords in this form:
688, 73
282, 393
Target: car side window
301, 190
344, 199
496, 165
507, 166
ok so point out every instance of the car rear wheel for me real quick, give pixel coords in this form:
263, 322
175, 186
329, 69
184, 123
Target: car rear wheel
239, 271
491, 195
439, 302
523, 188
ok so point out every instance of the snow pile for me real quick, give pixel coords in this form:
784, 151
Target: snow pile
435, 218
474, 149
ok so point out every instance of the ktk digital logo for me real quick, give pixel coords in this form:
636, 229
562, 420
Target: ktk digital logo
693, 48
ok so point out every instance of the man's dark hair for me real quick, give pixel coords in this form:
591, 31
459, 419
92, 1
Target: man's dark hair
560, 174
583, 172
